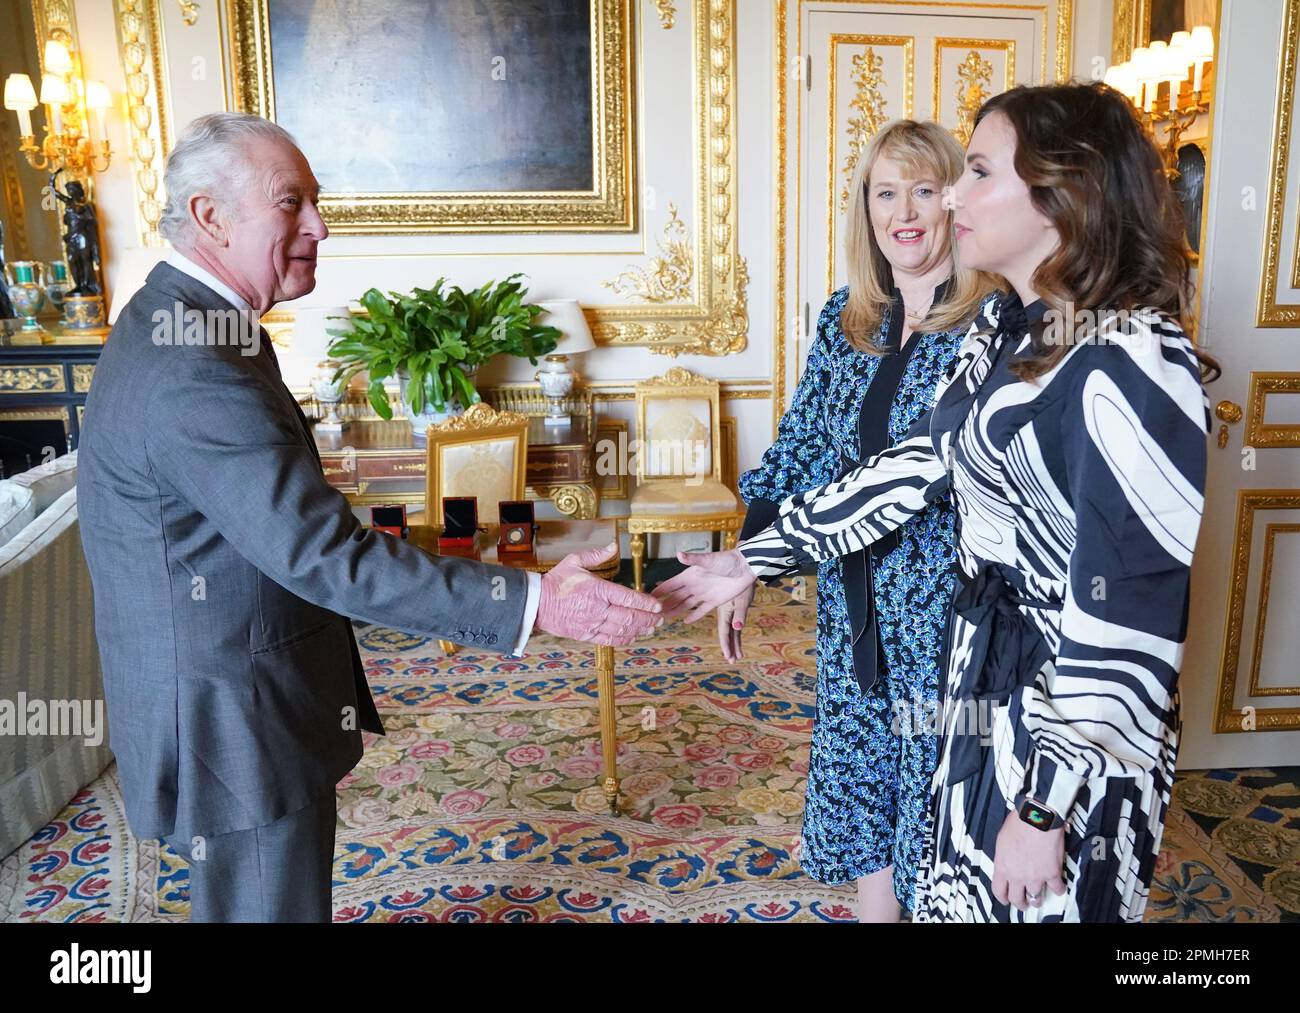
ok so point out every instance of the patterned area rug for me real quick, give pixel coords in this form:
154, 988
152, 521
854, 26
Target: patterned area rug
482, 803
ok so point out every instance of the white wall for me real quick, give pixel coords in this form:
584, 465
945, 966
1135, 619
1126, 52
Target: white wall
196, 65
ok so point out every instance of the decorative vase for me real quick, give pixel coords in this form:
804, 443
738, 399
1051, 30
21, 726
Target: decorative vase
329, 392
556, 380
59, 284
25, 291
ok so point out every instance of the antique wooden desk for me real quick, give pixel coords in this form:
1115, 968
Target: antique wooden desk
555, 540
374, 461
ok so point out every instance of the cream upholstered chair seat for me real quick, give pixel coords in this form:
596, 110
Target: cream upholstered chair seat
706, 496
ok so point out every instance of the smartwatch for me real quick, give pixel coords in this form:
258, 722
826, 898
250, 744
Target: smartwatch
1039, 816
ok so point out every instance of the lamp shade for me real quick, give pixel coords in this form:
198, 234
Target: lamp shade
57, 58
97, 96
54, 91
1203, 42
311, 327
133, 268
567, 315
19, 93
1144, 65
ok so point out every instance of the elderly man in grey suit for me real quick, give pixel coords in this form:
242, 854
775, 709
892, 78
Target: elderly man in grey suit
224, 564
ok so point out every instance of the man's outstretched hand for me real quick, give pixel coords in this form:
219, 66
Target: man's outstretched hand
581, 606
709, 580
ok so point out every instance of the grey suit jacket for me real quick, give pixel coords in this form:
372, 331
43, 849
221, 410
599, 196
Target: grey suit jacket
223, 565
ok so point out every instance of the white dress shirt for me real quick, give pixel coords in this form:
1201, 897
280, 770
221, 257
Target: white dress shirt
203, 276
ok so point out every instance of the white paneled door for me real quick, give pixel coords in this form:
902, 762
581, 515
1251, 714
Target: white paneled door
863, 68
1241, 677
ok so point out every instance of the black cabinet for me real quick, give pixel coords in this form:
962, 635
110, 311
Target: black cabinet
42, 401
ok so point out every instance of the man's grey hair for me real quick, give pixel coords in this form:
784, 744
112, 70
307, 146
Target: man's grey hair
210, 157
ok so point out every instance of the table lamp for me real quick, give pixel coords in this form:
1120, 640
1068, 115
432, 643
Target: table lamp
556, 378
133, 268
311, 339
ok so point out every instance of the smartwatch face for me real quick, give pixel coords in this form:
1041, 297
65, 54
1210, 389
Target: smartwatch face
1035, 816
459, 516
387, 517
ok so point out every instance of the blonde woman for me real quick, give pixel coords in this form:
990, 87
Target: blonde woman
1071, 435
883, 343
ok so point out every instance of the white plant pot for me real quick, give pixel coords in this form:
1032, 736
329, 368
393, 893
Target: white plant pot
430, 416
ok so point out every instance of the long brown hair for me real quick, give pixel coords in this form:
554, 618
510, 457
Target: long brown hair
924, 150
1094, 172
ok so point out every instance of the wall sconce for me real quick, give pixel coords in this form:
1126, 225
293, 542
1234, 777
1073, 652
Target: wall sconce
1166, 67
67, 98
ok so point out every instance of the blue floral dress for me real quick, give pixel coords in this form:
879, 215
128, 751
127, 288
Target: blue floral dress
873, 753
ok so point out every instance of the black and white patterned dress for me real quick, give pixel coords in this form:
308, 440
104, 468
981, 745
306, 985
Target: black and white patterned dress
1079, 498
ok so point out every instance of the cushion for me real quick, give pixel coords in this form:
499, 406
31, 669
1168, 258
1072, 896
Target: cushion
705, 497
484, 468
49, 481
17, 509
677, 438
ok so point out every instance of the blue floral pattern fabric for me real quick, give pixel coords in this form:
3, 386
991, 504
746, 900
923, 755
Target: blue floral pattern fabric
872, 755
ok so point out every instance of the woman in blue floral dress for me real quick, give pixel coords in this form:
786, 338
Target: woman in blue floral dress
883, 342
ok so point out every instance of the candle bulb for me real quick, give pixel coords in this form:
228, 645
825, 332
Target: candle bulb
54, 95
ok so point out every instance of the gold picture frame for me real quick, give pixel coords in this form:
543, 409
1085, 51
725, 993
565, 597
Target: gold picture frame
608, 207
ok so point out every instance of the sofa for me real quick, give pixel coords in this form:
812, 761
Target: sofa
53, 722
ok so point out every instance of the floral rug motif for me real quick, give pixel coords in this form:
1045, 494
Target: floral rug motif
483, 802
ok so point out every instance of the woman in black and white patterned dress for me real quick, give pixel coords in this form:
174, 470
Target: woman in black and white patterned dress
1073, 445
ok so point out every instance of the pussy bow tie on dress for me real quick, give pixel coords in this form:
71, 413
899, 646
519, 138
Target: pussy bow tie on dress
1006, 652
1011, 317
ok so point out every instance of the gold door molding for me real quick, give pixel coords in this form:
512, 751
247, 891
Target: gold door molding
786, 71
609, 207
1271, 533
1271, 313
868, 103
969, 95
1227, 718
1275, 434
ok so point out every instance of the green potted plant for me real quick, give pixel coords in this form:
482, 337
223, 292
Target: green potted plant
434, 340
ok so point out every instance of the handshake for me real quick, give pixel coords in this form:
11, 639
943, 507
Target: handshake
577, 604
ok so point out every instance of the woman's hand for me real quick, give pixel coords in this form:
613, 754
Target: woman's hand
731, 621
709, 580
1027, 862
